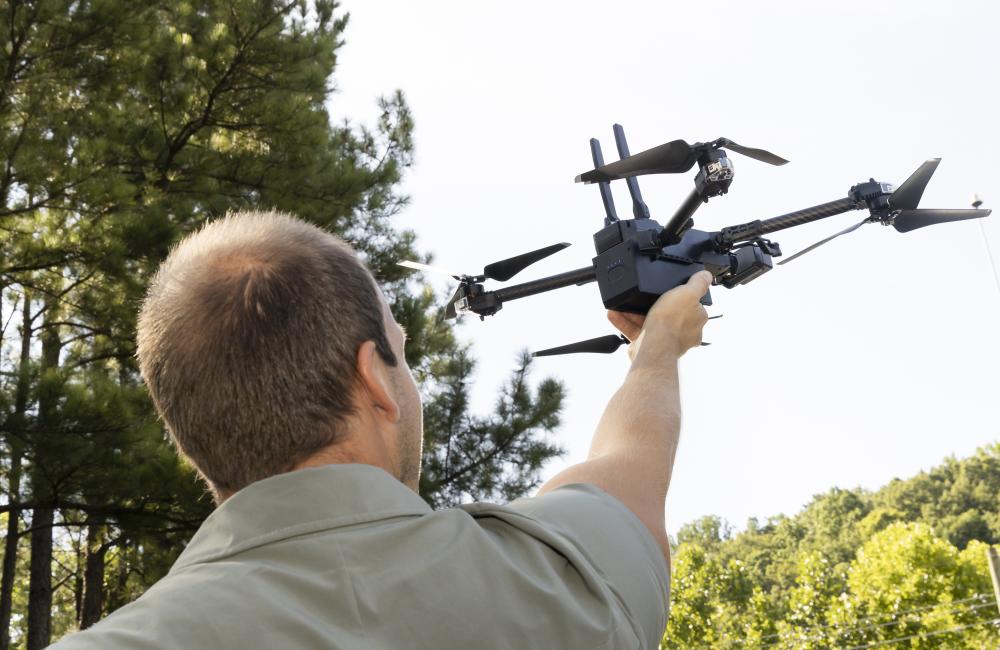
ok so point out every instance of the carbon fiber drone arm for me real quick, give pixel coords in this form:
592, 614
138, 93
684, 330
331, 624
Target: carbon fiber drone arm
487, 303
753, 229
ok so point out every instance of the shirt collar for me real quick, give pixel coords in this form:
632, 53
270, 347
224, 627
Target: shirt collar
297, 503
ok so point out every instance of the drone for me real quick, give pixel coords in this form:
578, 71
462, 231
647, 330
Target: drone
638, 259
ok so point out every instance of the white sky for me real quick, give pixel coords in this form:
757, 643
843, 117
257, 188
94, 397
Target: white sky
871, 358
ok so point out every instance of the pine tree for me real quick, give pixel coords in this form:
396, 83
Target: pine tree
123, 127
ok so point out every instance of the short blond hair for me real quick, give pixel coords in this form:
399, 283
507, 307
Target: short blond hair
248, 341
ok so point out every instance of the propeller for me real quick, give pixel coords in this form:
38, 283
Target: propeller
506, 269
417, 266
502, 271
903, 204
908, 220
750, 152
823, 241
674, 157
600, 345
907, 197
449, 311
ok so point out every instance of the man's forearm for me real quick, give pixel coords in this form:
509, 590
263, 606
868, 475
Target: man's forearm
645, 412
641, 424
632, 453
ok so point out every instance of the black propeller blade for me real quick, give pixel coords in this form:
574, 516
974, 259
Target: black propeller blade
750, 152
674, 157
506, 269
503, 270
600, 345
823, 241
671, 158
908, 220
907, 196
449, 311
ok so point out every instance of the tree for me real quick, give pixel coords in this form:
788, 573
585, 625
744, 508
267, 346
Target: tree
853, 568
123, 127
916, 584
710, 601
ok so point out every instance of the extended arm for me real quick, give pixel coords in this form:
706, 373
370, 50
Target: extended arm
632, 453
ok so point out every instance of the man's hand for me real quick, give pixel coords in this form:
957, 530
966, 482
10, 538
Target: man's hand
672, 326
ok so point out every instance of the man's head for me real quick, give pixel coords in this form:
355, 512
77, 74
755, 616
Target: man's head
267, 346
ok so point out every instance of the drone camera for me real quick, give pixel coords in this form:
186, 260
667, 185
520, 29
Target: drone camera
715, 174
720, 170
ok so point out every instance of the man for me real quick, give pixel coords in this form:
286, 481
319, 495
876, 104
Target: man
278, 369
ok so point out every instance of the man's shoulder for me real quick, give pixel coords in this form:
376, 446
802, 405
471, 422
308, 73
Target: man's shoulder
429, 580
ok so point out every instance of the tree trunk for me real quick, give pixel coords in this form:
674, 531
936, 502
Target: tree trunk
78, 585
40, 591
117, 594
10, 550
93, 577
15, 432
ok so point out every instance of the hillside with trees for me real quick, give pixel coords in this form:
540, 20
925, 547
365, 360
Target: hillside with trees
123, 127
901, 567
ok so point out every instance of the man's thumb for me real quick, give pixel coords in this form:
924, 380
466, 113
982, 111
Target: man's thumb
700, 282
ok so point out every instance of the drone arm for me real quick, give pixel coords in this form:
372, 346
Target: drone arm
672, 232
487, 303
753, 229
525, 289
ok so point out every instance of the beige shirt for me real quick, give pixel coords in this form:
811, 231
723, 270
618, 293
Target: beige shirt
345, 556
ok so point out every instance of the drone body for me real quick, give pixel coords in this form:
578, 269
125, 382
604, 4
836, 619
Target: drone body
637, 260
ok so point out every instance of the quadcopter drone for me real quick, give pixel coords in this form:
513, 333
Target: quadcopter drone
638, 259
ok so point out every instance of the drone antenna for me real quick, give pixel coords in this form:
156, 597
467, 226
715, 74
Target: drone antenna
606, 197
639, 208
976, 204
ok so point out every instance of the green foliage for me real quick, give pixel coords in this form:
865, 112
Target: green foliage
493, 458
123, 127
707, 597
910, 577
853, 569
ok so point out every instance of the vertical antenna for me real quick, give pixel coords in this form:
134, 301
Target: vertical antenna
606, 196
639, 208
976, 203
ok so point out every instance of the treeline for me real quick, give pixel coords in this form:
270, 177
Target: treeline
124, 126
902, 567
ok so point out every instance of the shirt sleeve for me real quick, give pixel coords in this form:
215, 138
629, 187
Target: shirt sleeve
594, 529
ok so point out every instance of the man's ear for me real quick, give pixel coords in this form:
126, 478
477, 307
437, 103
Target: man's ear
375, 383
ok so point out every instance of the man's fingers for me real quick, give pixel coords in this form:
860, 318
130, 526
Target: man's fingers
628, 324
